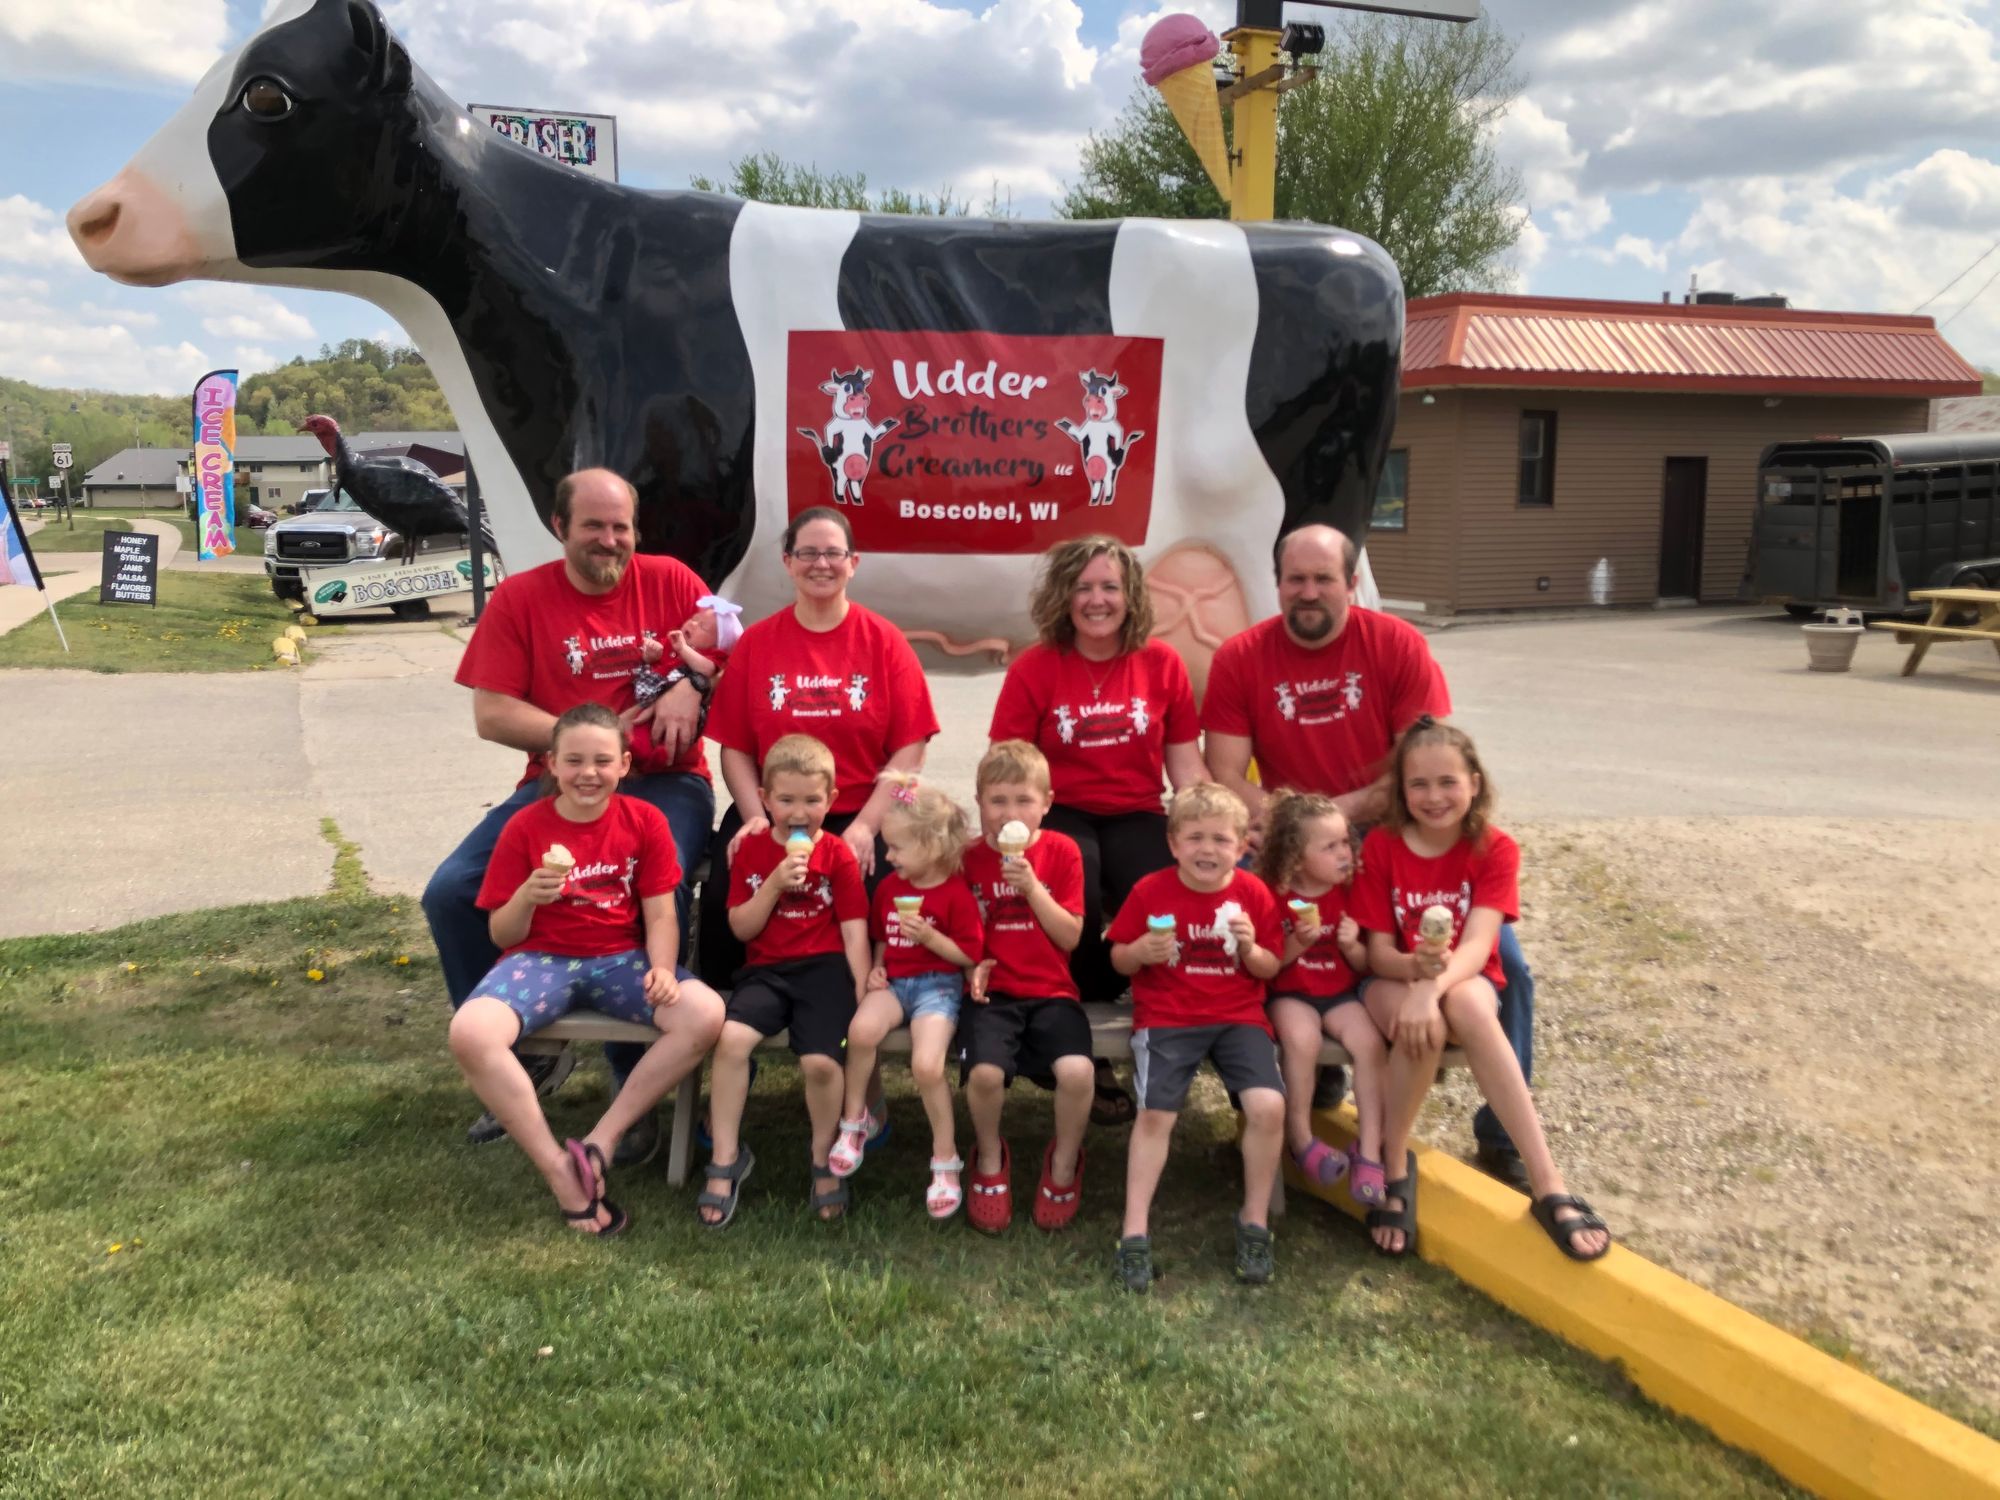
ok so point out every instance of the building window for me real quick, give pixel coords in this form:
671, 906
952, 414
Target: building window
277, 492
1392, 492
1538, 458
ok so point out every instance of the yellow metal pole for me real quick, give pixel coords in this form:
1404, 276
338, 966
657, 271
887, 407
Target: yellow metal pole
1255, 136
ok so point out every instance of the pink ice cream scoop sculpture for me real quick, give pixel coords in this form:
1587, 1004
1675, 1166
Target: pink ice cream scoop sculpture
1174, 43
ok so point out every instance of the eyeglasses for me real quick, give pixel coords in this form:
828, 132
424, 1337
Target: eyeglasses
811, 555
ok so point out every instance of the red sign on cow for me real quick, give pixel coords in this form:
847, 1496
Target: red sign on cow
973, 442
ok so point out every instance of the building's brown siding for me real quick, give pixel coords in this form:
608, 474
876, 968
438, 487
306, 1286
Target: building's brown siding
1416, 565
1611, 452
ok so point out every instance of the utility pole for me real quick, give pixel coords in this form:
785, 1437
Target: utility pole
1253, 41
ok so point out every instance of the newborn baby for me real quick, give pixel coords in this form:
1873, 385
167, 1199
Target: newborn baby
714, 628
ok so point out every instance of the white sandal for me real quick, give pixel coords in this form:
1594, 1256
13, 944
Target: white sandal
849, 1147
944, 1198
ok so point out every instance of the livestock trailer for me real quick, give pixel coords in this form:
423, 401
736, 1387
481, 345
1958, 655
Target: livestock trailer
1862, 521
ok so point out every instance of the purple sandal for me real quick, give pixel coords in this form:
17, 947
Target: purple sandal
1321, 1163
1367, 1183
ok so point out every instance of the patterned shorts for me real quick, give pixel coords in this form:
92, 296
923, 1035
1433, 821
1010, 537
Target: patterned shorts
542, 988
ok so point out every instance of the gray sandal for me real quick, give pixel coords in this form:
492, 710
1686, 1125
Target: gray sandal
838, 1199
733, 1174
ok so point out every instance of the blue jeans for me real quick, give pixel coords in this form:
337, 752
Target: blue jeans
459, 928
1517, 1019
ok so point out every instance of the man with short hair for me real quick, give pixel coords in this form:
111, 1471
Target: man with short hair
1317, 696
564, 633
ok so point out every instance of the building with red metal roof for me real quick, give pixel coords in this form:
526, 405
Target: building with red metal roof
1556, 451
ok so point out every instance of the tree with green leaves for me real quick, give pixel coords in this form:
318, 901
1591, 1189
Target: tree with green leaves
769, 178
1393, 140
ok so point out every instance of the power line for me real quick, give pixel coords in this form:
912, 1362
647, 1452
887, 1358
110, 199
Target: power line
1970, 300
1956, 280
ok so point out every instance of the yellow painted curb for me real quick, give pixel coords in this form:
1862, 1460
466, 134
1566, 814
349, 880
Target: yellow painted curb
1820, 1423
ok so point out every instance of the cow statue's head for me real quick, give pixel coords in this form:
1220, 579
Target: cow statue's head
849, 392
1100, 395
268, 164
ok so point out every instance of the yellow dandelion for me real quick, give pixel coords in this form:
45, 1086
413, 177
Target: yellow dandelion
402, 960
131, 968
315, 975
197, 973
113, 1249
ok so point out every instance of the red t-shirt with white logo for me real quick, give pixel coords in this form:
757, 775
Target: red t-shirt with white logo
1323, 720
1322, 971
622, 856
544, 641
1205, 985
805, 922
858, 689
1027, 964
949, 907
1104, 726
1395, 884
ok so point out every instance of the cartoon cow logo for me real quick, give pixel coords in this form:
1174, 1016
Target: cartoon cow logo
1102, 439
1140, 717
778, 692
857, 692
573, 653
1065, 724
1288, 706
1350, 691
847, 445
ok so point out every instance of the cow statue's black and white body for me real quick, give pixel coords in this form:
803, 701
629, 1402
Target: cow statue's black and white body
573, 322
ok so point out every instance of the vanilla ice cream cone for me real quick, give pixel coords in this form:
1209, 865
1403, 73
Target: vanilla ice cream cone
1012, 840
1190, 94
559, 860
1434, 929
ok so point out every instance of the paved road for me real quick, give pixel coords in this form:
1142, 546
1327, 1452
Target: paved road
139, 795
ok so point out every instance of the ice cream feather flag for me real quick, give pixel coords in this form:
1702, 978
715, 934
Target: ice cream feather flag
215, 463
20, 567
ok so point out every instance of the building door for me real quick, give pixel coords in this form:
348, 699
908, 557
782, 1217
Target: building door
1684, 501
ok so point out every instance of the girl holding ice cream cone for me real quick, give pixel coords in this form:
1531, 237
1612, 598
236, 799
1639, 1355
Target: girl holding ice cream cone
927, 932
580, 890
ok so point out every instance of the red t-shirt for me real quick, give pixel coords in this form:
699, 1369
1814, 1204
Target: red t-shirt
622, 857
950, 908
1026, 962
1396, 883
546, 642
1323, 720
1104, 726
1322, 970
858, 689
1205, 985
807, 921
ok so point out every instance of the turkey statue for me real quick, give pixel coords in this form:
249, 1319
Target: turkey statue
403, 495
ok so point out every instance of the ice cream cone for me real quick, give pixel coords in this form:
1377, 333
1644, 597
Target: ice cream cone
558, 860
1434, 929
1190, 94
1012, 840
909, 906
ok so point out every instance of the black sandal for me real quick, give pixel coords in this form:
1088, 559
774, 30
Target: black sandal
1564, 1231
620, 1220
733, 1174
1404, 1218
1112, 1105
838, 1199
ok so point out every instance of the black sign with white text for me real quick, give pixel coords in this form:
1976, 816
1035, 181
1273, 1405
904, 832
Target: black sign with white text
131, 568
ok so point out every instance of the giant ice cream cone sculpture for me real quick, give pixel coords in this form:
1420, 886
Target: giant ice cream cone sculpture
1175, 58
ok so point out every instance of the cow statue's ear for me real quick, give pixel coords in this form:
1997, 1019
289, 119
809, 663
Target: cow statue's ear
388, 63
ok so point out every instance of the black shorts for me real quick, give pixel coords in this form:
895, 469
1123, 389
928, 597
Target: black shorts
1164, 1059
812, 998
1322, 1003
1022, 1038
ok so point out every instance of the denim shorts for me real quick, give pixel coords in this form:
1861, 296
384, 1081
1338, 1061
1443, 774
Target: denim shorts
937, 993
542, 988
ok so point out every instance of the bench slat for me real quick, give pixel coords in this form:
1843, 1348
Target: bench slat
1958, 632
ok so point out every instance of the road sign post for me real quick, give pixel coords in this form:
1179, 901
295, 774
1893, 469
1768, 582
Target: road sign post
62, 460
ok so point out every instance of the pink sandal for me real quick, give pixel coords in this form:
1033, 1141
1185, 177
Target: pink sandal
944, 1198
1366, 1182
849, 1147
1321, 1163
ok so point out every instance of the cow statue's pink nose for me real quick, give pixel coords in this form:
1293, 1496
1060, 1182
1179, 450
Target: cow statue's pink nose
134, 233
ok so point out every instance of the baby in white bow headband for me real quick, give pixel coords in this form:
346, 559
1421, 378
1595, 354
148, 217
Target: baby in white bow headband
714, 627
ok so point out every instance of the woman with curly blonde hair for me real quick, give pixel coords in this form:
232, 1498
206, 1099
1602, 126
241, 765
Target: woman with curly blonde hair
1113, 710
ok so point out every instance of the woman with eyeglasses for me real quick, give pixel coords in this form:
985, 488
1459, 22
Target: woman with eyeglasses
1113, 711
826, 667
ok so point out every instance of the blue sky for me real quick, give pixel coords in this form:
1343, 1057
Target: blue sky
1839, 151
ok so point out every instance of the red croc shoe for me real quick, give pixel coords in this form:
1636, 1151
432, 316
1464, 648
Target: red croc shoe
1056, 1206
989, 1201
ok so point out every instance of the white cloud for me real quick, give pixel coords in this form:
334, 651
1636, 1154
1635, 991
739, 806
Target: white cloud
249, 359
33, 235
139, 38
52, 345
240, 312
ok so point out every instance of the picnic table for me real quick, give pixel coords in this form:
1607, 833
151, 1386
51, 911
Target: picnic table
1984, 603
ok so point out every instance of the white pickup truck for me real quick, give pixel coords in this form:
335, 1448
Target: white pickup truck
329, 558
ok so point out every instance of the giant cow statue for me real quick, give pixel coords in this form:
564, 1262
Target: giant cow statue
683, 340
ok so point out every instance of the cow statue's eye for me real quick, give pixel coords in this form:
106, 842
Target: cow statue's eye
266, 100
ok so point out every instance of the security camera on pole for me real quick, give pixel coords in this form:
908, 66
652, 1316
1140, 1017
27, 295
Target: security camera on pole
1176, 59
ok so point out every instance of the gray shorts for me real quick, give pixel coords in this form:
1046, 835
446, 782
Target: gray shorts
1164, 1059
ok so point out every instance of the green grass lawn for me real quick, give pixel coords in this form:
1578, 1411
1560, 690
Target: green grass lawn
245, 1251
92, 524
204, 622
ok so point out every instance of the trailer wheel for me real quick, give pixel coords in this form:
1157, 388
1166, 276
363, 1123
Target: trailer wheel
1801, 611
411, 609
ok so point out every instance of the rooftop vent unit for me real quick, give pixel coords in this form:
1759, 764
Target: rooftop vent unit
1715, 299
1769, 299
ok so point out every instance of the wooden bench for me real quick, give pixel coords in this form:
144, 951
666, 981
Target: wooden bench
1984, 603
1110, 1032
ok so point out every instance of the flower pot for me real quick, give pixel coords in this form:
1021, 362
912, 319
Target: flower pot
1830, 648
